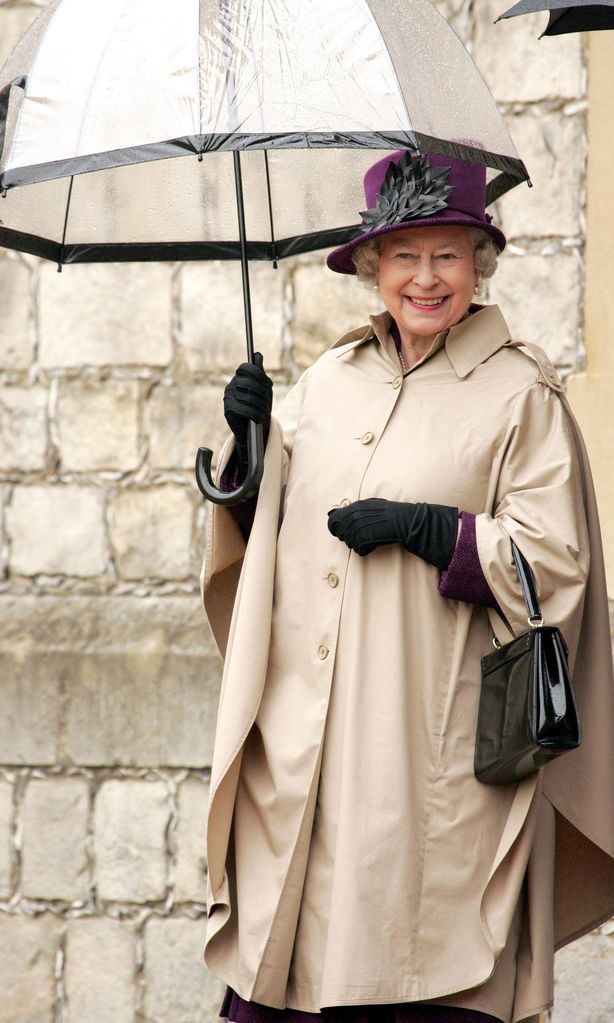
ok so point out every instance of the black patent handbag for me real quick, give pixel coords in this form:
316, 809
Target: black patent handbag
527, 713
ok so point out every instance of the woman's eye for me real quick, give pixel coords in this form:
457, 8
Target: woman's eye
447, 256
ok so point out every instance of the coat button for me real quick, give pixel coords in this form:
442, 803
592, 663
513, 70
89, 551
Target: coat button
333, 580
396, 383
367, 437
322, 652
345, 502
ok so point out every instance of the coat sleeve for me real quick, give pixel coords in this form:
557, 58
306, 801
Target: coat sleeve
537, 502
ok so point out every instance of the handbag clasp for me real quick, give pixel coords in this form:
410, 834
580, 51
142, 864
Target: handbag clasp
536, 622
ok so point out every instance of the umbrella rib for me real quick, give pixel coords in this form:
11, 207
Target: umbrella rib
63, 242
268, 188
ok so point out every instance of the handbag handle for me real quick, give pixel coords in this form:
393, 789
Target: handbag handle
527, 584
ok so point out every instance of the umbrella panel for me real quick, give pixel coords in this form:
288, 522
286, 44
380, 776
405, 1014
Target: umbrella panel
566, 15
141, 83
591, 18
186, 208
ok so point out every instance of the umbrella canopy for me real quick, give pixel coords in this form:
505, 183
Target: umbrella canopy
565, 16
97, 98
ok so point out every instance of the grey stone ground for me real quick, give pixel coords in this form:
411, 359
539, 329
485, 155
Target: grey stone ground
110, 377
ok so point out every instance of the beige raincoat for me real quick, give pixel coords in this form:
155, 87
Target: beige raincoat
353, 856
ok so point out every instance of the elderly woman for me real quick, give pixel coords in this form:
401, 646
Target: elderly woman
358, 871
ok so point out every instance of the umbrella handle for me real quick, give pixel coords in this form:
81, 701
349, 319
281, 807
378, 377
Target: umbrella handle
255, 468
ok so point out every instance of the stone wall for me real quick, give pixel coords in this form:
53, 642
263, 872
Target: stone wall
110, 378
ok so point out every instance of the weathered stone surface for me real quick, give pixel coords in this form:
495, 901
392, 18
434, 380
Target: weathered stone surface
517, 66
129, 840
151, 532
16, 346
100, 971
56, 530
30, 677
99, 315
178, 987
6, 820
15, 21
326, 306
190, 838
182, 419
23, 428
584, 981
458, 14
212, 325
553, 149
540, 299
140, 681
99, 424
54, 821
27, 967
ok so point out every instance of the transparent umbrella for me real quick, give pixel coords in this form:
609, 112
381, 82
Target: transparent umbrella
277, 109
567, 16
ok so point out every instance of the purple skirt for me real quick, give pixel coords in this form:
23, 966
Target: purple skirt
236, 1010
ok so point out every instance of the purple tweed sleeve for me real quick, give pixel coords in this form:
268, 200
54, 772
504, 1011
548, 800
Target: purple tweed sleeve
463, 579
242, 513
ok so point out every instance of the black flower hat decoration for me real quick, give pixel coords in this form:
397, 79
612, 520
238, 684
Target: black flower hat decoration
411, 189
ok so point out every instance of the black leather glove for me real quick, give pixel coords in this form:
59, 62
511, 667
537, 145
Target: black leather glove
249, 395
428, 530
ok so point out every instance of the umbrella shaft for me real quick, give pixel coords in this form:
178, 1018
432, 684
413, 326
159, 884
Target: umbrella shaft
247, 305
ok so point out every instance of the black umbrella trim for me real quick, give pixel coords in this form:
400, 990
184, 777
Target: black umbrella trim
199, 145
146, 252
594, 18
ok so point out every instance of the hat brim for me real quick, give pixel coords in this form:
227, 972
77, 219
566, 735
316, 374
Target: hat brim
340, 260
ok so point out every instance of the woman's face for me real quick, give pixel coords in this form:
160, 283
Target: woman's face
427, 278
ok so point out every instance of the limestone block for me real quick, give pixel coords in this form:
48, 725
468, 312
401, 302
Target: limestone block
6, 819
56, 530
139, 681
182, 419
458, 14
190, 838
518, 67
540, 299
584, 981
327, 305
106, 314
30, 677
13, 23
151, 532
178, 987
139, 678
54, 821
27, 962
99, 424
129, 840
553, 148
16, 347
99, 976
23, 428
212, 334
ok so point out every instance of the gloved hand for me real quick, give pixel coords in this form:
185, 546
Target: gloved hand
428, 530
249, 395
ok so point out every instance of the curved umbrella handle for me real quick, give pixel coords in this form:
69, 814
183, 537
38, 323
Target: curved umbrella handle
255, 469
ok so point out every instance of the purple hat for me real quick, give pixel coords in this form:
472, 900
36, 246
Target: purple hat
409, 190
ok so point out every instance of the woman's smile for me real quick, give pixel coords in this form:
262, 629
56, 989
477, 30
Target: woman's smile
426, 278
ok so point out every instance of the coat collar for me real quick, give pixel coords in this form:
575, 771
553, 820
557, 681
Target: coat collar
467, 344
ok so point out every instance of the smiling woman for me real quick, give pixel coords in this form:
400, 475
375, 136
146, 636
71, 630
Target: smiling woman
358, 870
426, 278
